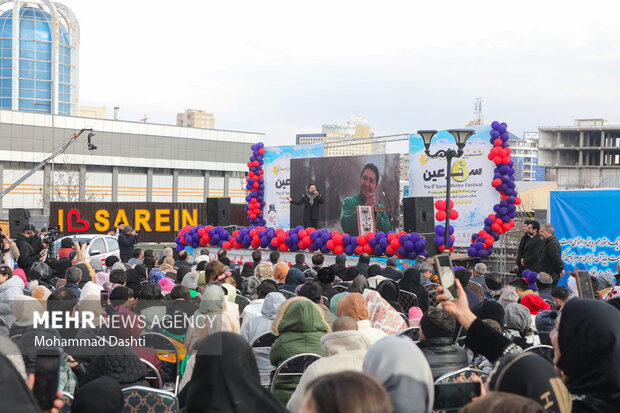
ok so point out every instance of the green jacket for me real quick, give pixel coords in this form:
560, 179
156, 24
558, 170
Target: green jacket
348, 218
300, 324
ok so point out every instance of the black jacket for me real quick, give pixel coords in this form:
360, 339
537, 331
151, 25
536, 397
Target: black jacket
339, 269
531, 252
392, 273
551, 258
126, 245
27, 254
362, 267
443, 355
524, 239
310, 211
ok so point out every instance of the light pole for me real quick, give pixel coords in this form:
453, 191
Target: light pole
461, 136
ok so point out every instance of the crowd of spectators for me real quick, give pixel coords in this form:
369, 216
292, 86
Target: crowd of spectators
357, 319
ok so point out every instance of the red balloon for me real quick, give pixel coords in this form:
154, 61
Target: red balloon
517, 200
283, 247
226, 245
395, 243
390, 237
253, 216
441, 248
498, 142
201, 232
301, 244
250, 164
361, 240
506, 160
338, 249
302, 233
337, 239
496, 182
274, 242
401, 233
495, 227
255, 244
281, 236
451, 249
488, 242
388, 250
508, 151
506, 227
255, 163
307, 240
440, 205
261, 151
237, 245
497, 159
453, 214
441, 215
359, 249
368, 249
330, 244
202, 242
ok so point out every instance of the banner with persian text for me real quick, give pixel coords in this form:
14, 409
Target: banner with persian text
588, 229
277, 167
470, 186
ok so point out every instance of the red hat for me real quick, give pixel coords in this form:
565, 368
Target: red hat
534, 303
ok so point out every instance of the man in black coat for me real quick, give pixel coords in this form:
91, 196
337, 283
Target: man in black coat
518, 269
390, 271
533, 247
127, 240
311, 201
443, 356
551, 256
27, 253
340, 266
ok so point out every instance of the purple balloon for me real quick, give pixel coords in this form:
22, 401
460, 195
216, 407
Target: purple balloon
495, 125
472, 252
180, 248
439, 241
494, 134
440, 230
409, 246
420, 245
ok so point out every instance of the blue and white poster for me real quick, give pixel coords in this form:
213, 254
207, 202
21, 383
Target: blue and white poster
588, 228
277, 167
470, 186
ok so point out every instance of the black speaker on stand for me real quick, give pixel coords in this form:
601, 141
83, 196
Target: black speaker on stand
218, 212
18, 219
418, 214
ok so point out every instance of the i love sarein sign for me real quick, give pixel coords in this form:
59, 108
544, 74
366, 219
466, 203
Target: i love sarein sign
157, 221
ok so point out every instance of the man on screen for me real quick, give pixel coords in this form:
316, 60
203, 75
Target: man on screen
369, 181
310, 200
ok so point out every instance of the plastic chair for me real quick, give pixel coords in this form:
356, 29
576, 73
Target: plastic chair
465, 374
543, 350
432, 298
406, 318
242, 302
154, 373
476, 288
325, 300
431, 287
412, 332
68, 399
293, 366
407, 300
164, 346
340, 288
140, 399
265, 340
16, 337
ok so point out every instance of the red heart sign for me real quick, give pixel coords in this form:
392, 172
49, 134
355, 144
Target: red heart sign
78, 220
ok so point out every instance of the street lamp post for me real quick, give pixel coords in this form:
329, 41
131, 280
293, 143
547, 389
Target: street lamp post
461, 136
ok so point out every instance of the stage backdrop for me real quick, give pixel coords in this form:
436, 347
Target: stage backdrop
277, 167
471, 190
588, 229
338, 178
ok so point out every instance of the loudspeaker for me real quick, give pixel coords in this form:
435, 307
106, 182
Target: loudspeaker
418, 214
18, 219
218, 211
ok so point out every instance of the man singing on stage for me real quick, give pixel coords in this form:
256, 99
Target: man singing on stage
311, 200
369, 180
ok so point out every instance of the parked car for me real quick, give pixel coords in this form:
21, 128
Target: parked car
99, 246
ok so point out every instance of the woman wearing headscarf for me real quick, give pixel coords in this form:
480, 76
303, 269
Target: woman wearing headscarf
531, 376
382, 315
586, 340
225, 379
500, 402
299, 325
400, 366
24, 308
390, 292
353, 305
120, 363
294, 278
211, 317
411, 282
280, 270
133, 280
518, 321
358, 285
151, 305
102, 395
257, 326
17, 397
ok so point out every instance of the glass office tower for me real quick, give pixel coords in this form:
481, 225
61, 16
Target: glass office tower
39, 57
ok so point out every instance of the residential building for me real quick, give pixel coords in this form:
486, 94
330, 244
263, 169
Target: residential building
525, 157
193, 118
352, 138
309, 138
585, 155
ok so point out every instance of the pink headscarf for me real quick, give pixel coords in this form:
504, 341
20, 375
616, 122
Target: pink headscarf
166, 284
21, 274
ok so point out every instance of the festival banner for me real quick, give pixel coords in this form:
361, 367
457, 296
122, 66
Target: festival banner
470, 187
277, 167
587, 226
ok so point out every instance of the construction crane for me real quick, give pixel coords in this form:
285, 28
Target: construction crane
60, 150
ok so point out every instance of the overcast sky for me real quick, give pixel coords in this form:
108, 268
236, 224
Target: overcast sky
287, 67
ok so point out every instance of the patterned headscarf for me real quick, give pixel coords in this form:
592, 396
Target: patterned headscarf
156, 275
382, 315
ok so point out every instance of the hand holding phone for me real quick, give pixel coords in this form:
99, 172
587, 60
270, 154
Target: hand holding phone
46, 372
443, 264
453, 396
